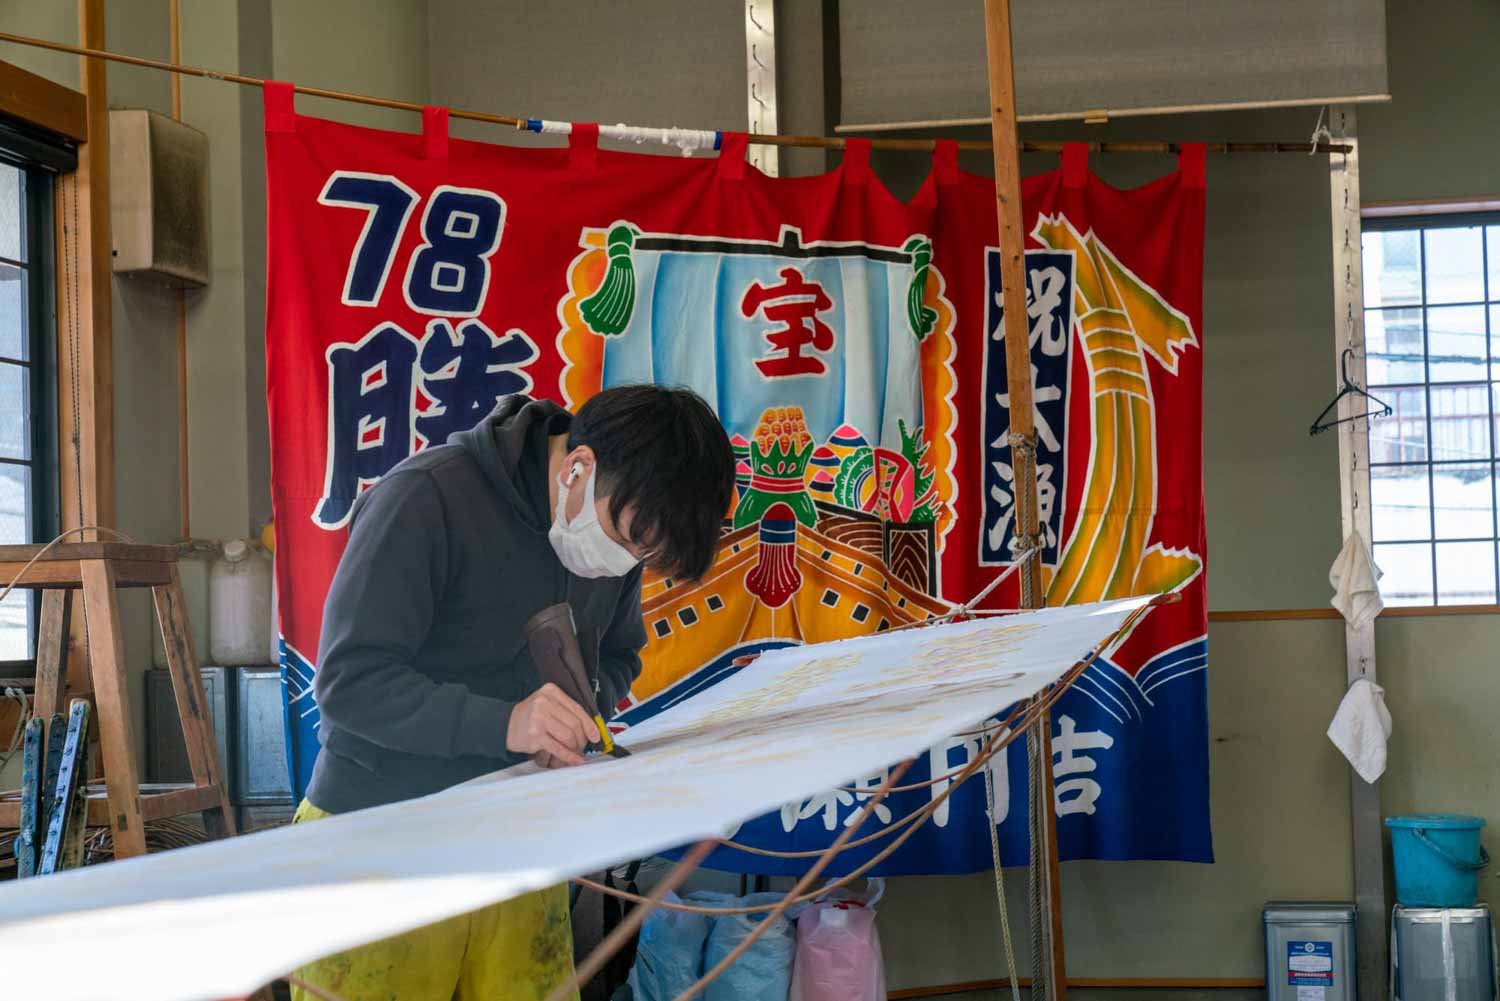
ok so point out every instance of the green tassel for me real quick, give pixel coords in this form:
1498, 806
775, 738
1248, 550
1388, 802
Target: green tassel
921, 316
607, 311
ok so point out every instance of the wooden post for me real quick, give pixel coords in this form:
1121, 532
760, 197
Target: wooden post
85, 360
192, 704
116, 734
1366, 828
1013, 279
83, 304
1018, 383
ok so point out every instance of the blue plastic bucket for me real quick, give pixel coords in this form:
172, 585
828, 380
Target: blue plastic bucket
1438, 858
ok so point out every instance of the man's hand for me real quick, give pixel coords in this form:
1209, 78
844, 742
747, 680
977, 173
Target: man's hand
550, 727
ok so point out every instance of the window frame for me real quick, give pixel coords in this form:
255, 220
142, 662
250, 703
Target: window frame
39, 270
1423, 219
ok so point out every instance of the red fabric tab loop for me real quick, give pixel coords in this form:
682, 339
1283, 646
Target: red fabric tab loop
435, 133
1075, 164
583, 145
1192, 161
857, 160
732, 147
945, 161
281, 114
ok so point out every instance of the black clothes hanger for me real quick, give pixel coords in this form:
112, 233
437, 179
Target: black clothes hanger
1379, 409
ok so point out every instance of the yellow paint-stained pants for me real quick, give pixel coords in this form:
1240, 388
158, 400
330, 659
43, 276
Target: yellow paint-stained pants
516, 950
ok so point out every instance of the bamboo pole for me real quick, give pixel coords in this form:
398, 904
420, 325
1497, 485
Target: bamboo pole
1022, 425
806, 142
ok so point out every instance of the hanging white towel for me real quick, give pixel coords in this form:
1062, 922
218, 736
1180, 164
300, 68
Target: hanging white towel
1355, 580
1361, 727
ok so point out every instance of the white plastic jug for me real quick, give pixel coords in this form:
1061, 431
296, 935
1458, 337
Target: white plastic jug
239, 605
268, 543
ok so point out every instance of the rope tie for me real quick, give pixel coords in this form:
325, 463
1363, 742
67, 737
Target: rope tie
1320, 132
1010, 951
1040, 905
1023, 547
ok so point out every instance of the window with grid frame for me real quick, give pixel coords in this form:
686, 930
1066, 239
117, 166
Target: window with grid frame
1432, 340
28, 468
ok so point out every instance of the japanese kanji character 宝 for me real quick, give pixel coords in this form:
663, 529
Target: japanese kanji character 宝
795, 304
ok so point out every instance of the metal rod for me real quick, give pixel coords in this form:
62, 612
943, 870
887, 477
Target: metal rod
185, 523
1105, 114
174, 24
805, 142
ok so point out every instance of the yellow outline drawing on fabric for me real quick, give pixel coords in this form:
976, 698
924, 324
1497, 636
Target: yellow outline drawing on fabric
516, 950
1122, 320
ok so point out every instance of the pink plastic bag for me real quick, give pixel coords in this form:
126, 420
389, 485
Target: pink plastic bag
838, 953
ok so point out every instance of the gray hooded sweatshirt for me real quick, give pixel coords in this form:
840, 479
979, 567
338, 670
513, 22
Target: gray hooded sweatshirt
423, 657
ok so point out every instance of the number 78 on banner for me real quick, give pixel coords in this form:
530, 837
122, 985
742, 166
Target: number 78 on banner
448, 274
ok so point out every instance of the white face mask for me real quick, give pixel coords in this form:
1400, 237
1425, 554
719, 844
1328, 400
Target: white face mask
582, 546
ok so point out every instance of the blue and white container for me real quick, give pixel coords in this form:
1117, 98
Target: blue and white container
1310, 952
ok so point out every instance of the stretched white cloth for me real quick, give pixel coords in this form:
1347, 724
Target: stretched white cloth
1355, 579
218, 920
1361, 728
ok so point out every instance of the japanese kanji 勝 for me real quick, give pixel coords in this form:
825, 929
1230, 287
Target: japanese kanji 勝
376, 386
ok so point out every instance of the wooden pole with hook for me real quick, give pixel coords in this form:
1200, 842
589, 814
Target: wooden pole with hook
1005, 143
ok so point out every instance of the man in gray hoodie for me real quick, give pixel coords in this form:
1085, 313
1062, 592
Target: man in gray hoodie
424, 679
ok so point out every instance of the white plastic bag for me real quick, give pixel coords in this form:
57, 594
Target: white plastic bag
669, 958
838, 951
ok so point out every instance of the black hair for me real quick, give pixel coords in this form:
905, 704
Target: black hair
664, 452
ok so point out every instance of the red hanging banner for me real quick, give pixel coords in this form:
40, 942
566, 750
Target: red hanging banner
843, 338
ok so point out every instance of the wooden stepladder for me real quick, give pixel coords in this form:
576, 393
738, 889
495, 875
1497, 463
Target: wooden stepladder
94, 571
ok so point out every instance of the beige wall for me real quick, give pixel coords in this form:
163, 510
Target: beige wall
384, 52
